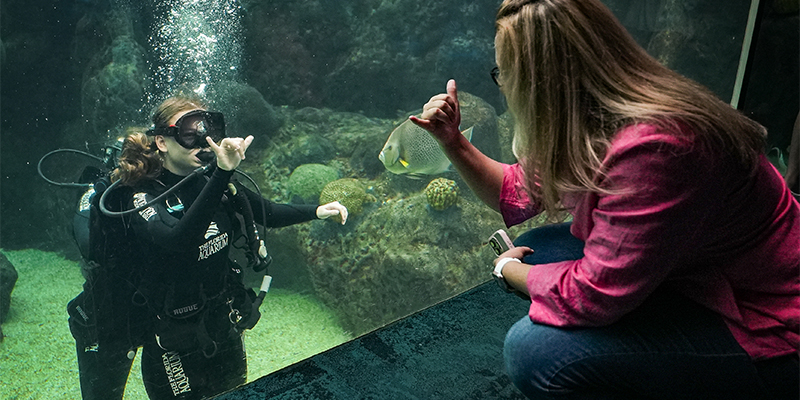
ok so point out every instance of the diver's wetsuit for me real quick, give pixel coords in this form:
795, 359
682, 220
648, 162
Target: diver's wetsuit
188, 288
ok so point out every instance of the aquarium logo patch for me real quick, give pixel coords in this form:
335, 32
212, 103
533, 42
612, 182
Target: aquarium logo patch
86, 200
213, 230
139, 199
174, 368
214, 245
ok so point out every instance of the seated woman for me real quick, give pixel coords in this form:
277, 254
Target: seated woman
680, 275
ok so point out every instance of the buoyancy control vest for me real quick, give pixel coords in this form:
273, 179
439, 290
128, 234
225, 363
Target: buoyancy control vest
111, 304
109, 308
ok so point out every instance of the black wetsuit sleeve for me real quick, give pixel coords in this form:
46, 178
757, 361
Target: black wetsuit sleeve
279, 215
173, 233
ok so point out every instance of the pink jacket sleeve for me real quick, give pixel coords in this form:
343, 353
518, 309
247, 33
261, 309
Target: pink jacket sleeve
515, 204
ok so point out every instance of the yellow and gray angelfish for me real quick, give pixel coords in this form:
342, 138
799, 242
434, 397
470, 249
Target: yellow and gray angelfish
412, 150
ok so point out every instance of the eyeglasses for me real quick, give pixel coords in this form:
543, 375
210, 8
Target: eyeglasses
191, 129
495, 74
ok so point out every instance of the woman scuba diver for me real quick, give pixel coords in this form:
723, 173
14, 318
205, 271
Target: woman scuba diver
165, 282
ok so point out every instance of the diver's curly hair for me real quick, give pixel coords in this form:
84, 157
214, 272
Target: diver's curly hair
139, 160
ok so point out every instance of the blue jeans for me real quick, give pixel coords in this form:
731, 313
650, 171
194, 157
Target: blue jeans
668, 348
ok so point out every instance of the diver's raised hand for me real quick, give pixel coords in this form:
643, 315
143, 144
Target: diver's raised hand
335, 208
230, 151
441, 115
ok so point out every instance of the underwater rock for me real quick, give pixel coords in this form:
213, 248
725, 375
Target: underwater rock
114, 88
344, 132
399, 258
371, 57
479, 114
442, 193
8, 278
304, 138
97, 28
308, 180
364, 160
246, 111
305, 149
319, 136
348, 191
338, 134
297, 44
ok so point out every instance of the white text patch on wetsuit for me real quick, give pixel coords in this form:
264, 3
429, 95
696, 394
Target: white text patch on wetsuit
175, 374
214, 245
140, 199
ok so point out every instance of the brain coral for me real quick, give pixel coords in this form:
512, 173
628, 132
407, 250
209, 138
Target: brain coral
307, 180
442, 193
350, 192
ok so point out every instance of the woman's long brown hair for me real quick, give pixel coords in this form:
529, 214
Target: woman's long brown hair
573, 77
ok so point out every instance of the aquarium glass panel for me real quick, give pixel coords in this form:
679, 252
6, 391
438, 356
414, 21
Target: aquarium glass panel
325, 88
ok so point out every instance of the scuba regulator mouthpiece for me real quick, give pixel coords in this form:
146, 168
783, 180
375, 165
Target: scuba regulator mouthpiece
206, 156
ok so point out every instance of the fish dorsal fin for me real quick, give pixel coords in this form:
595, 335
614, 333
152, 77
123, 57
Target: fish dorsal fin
468, 133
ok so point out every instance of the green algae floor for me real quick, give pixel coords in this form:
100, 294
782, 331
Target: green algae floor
37, 357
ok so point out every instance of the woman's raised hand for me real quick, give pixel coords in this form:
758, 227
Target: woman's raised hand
441, 115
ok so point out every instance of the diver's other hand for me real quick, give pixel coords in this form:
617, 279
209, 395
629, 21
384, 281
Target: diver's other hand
230, 151
441, 115
335, 208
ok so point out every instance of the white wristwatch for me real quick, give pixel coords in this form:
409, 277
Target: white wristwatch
498, 273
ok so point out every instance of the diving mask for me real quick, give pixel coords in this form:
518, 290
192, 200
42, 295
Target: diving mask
191, 129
